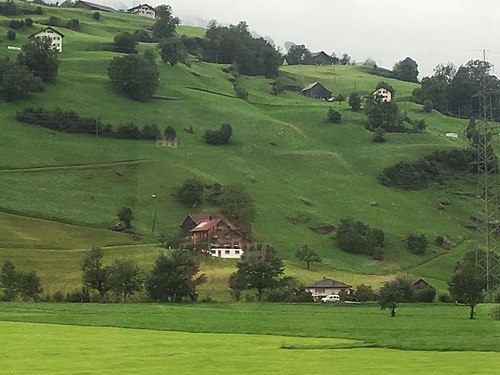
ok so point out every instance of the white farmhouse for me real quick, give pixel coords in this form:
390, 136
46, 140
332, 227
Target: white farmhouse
53, 34
384, 94
143, 10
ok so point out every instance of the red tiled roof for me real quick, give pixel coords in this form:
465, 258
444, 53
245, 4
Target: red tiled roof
206, 225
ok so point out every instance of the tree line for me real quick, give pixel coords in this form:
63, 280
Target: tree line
72, 122
457, 91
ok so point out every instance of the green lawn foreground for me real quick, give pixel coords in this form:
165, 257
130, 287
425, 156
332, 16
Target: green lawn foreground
246, 339
442, 327
58, 349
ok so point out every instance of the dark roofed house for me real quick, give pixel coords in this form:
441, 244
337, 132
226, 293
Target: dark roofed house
317, 91
327, 286
321, 58
92, 6
49, 32
143, 10
224, 238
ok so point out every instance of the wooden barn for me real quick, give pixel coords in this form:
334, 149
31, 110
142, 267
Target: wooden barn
317, 91
321, 58
92, 6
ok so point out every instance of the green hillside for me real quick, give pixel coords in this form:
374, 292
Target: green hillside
293, 163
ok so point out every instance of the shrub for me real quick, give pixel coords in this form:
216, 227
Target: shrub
82, 296
53, 21
58, 297
11, 35
416, 243
427, 107
445, 298
170, 132
354, 102
495, 313
365, 293
28, 22
379, 136
357, 237
241, 93
16, 24
333, 116
10, 9
96, 16
423, 294
128, 131
191, 192
73, 24
150, 131
125, 42
142, 36
219, 137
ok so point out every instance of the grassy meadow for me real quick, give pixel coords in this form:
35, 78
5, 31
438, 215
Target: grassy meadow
246, 338
59, 192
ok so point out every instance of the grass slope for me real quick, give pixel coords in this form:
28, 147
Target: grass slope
316, 171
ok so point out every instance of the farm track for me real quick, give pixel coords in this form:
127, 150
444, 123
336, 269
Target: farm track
74, 166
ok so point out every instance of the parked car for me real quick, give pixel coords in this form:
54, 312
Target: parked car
331, 298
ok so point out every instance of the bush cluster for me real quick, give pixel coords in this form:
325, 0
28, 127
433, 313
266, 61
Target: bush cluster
17, 24
219, 137
72, 122
359, 238
9, 8
434, 167
333, 116
417, 243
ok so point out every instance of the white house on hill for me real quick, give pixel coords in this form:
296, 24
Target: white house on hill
53, 34
384, 94
143, 10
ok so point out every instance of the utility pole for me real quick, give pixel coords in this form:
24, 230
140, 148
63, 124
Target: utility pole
153, 196
487, 176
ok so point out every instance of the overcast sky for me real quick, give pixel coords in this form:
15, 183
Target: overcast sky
429, 31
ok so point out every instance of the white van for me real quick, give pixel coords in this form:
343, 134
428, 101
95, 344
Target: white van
331, 298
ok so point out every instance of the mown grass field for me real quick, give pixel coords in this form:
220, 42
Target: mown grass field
247, 338
316, 171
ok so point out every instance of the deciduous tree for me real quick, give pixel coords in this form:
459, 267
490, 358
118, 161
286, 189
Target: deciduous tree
40, 57
175, 278
258, 269
172, 50
398, 290
134, 76
354, 102
165, 23
191, 192
125, 42
125, 278
94, 274
237, 205
307, 255
467, 285
406, 70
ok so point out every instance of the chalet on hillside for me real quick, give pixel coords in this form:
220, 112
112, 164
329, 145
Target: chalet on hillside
224, 239
92, 6
143, 10
321, 58
53, 34
384, 94
317, 91
327, 286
